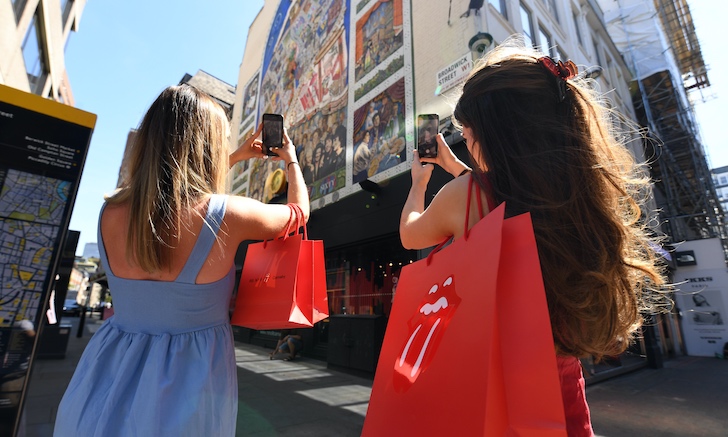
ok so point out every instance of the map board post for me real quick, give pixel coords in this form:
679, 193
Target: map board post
43, 147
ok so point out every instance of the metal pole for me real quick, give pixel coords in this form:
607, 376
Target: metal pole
82, 318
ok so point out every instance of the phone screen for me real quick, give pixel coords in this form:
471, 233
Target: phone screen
272, 133
427, 129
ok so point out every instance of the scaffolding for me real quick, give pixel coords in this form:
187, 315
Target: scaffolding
679, 28
660, 44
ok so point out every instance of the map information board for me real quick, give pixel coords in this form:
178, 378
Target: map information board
44, 146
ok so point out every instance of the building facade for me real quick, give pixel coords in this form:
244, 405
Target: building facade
350, 78
33, 37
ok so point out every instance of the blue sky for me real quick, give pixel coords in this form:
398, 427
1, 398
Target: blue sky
708, 18
123, 55
126, 52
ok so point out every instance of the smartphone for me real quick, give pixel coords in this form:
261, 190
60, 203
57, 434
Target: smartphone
272, 133
427, 128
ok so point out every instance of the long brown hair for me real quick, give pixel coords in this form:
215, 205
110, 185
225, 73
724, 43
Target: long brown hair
560, 161
178, 156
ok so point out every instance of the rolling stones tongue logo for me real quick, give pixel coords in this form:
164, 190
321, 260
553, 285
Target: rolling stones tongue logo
426, 329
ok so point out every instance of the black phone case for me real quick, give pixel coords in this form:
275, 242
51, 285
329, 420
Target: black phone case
422, 149
270, 150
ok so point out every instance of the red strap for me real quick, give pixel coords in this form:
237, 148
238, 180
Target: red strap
489, 193
467, 206
300, 220
466, 233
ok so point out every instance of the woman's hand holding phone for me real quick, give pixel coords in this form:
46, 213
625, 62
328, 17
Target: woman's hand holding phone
421, 171
445, 158
287, 152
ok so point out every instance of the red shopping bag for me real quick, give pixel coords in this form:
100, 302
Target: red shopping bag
318, 266
279, 281
320, 294
468, 348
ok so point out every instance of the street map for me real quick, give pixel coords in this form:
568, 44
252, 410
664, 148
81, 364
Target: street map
31, 211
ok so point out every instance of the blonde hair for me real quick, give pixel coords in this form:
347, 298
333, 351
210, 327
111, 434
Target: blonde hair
179, 156
561, 161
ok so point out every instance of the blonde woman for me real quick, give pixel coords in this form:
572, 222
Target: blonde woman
540, 141
164, 364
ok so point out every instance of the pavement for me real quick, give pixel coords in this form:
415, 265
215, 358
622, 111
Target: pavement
687, 397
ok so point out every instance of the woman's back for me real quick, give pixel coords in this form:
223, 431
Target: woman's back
166, 358
114, 228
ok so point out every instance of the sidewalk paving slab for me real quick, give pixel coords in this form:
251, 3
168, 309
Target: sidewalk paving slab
686, 398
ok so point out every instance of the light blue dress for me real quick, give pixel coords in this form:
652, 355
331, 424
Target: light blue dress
164, 364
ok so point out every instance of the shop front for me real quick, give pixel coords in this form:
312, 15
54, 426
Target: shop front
364, 258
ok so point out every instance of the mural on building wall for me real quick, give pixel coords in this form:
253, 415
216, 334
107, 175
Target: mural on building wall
307, 74
378, 35
305, 78
250, 97
379, 133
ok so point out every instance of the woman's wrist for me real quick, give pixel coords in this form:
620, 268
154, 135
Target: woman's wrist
294, 163
459, 169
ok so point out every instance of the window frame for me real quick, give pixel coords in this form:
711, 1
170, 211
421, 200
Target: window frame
553, 10
549, 48
500, 6
577, 27
38, 72
529, 15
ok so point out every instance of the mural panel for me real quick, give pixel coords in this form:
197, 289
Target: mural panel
312, 65
379, 133
250, 97
306, 80
378, 35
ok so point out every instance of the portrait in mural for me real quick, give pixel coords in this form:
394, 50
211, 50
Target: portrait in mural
321, 147
250, 97
305, 78
379, 34
260, 169
379, 133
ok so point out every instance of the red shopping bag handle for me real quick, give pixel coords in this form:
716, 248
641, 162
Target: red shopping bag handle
300, 221
293, 218
466, 234
467, 207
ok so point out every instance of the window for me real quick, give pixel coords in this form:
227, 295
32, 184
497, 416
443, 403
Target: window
18, 6
34, 56
545, 43
66, 6
608, 74
500, 6
527, 25
596, 51
724, 180
577, 27
551, 6
560, 55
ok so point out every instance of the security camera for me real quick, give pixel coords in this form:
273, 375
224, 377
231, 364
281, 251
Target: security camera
479, 44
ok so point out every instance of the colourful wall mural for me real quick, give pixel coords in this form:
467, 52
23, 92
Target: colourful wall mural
308, 75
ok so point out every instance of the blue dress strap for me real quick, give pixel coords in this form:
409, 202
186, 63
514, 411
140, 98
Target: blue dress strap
207, 237
100, 242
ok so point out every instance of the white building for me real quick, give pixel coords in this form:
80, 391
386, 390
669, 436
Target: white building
33, 36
